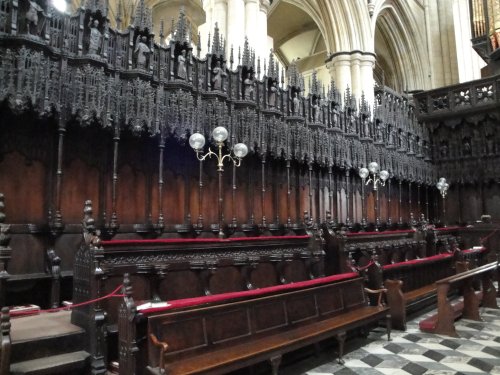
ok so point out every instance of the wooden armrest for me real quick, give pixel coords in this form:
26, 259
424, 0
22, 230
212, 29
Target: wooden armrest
377, 291
160, 344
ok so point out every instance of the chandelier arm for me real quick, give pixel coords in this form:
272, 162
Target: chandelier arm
208, 154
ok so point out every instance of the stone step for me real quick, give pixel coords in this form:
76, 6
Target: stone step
74, 363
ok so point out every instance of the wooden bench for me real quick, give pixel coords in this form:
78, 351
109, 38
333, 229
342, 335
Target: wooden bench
218, 334
177, 268
411, 285
444, 322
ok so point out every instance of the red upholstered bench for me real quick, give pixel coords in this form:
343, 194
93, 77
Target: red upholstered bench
221, 333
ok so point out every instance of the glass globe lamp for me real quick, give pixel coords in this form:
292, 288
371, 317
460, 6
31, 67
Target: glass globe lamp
240, 150
197, 141
373, 167
220, 134
363, 173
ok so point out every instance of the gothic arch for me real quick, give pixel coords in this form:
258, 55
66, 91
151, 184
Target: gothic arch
400, 48
344, 24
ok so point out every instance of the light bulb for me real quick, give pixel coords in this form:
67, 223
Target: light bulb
220, 134
363, 173
384, 175
197, 141
240, 150
373, 167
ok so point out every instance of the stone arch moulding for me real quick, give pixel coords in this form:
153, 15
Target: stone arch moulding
344, 24
404, 39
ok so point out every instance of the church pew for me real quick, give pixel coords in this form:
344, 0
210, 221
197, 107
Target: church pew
221, 333
411, 284
169, 269
443, 323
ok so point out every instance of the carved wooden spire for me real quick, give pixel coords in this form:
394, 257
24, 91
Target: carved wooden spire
143, 18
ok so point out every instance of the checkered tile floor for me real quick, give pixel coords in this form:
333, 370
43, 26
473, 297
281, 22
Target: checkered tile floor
476, 351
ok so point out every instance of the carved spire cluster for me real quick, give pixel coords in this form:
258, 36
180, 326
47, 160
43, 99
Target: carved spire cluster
143, 18
364, 106
181, 32
295, 79
98, 5
273, 69
218, 43
334, 94
167, 95
315, 86
248, 58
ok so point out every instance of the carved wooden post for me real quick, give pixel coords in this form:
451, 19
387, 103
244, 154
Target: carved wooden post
161, 147
234, 222
55, 272
347, 198
427, 202
5, 252
247, 265
205, 271
263, 190
389, 216
288, 193
200, 196
400, 221
113, 225
5, 342
56, 224
363, 205
329, 207
127, 344
280, 262
87, 285
310, 189
278, 179
410, 212
418, 200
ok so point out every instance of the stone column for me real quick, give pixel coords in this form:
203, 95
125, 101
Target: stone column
251, 21
356, 82
341, 69
219, 16
235, 25
367, 63
262, 45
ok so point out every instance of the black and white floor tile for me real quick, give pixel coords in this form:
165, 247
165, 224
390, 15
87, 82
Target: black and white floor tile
476, 351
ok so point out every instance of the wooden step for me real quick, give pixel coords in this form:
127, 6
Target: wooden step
44, 335
74, 363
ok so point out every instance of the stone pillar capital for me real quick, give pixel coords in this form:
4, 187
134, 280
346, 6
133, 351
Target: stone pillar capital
341, 60
265, 5
368, 60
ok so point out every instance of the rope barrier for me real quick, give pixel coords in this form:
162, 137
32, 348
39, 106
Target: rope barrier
371, 263
69, 307
484, 239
